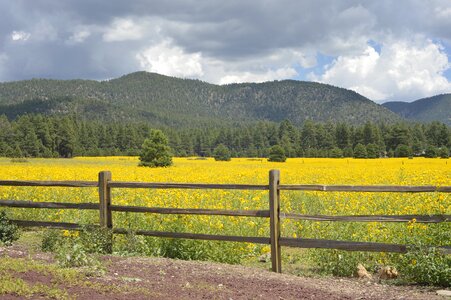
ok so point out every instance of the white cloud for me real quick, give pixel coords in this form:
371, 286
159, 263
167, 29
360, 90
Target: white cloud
20, 35
402, 71
123, 30
167, 59
269, 75
79, 36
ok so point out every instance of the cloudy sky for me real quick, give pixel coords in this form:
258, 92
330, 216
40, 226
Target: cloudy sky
385, 50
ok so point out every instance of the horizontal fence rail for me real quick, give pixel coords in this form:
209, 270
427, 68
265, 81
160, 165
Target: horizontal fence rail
275, 240
365, 188
192, 211
191, 186
370, 218
54, 205
62, 183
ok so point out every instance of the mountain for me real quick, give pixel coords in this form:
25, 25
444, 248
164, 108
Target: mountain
163, 100
437, 108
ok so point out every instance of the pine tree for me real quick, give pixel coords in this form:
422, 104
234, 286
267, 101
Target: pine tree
403, 151
360, 151
221, 153
155, 150
277, 154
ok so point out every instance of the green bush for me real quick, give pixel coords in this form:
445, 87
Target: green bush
360, 151
336, 153
9, 232
372, 151
430, 152
427, 265
96, 239
221, 153
76, 249
156, 151
72, 254
443, 152
403, 151
51, 240
277, 154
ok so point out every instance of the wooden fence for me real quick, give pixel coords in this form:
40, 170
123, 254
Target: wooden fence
106, 207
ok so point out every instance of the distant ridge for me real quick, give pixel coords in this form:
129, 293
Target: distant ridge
436, 108
164, 100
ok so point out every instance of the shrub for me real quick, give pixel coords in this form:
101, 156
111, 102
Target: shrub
277, 154
443, 152
372, 151
72, 254
9, 232
74, 249
430, 152
348, 152
403, 151
221, 153
96, 239
360, 151
427, 265
51, 240
156, 151
336, 153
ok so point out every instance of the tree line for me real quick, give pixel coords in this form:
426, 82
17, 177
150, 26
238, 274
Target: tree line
39, 135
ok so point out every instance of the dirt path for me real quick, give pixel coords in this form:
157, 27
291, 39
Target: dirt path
160, 278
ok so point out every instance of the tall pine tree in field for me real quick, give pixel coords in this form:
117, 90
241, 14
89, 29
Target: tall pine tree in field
155, 151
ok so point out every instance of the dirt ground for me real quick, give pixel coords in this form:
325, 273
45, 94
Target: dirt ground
160, 278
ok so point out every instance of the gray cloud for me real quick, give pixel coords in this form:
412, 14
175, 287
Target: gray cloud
227, 40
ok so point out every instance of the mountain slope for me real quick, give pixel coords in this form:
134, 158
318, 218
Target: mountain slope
159, 99
437, 108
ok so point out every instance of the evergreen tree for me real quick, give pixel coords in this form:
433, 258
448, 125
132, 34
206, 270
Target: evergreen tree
336, 153
403, 151
342, 136
277, 154
155, 150
308, 136
430, 152
443, 152
360, 151
66, 138
221, 153
372, 151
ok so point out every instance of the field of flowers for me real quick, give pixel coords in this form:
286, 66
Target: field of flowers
418, 171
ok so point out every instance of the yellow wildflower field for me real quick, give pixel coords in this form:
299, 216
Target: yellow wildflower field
418, 171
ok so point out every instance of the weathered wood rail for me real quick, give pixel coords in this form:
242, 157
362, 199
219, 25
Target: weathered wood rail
275, 240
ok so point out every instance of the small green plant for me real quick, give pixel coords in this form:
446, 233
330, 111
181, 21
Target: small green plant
75, 249
426, 265
72, 254
51, 240
96, 239
130, 244
9, 232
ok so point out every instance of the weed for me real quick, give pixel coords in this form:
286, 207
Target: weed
9, 232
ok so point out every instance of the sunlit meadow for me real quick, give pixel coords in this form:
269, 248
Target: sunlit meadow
416, 171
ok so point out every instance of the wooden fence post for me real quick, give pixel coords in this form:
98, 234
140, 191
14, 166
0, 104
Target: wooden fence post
106, 220
274, 219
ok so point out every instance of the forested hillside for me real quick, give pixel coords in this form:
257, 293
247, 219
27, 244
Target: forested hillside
52, 136
162, 100
437, 108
